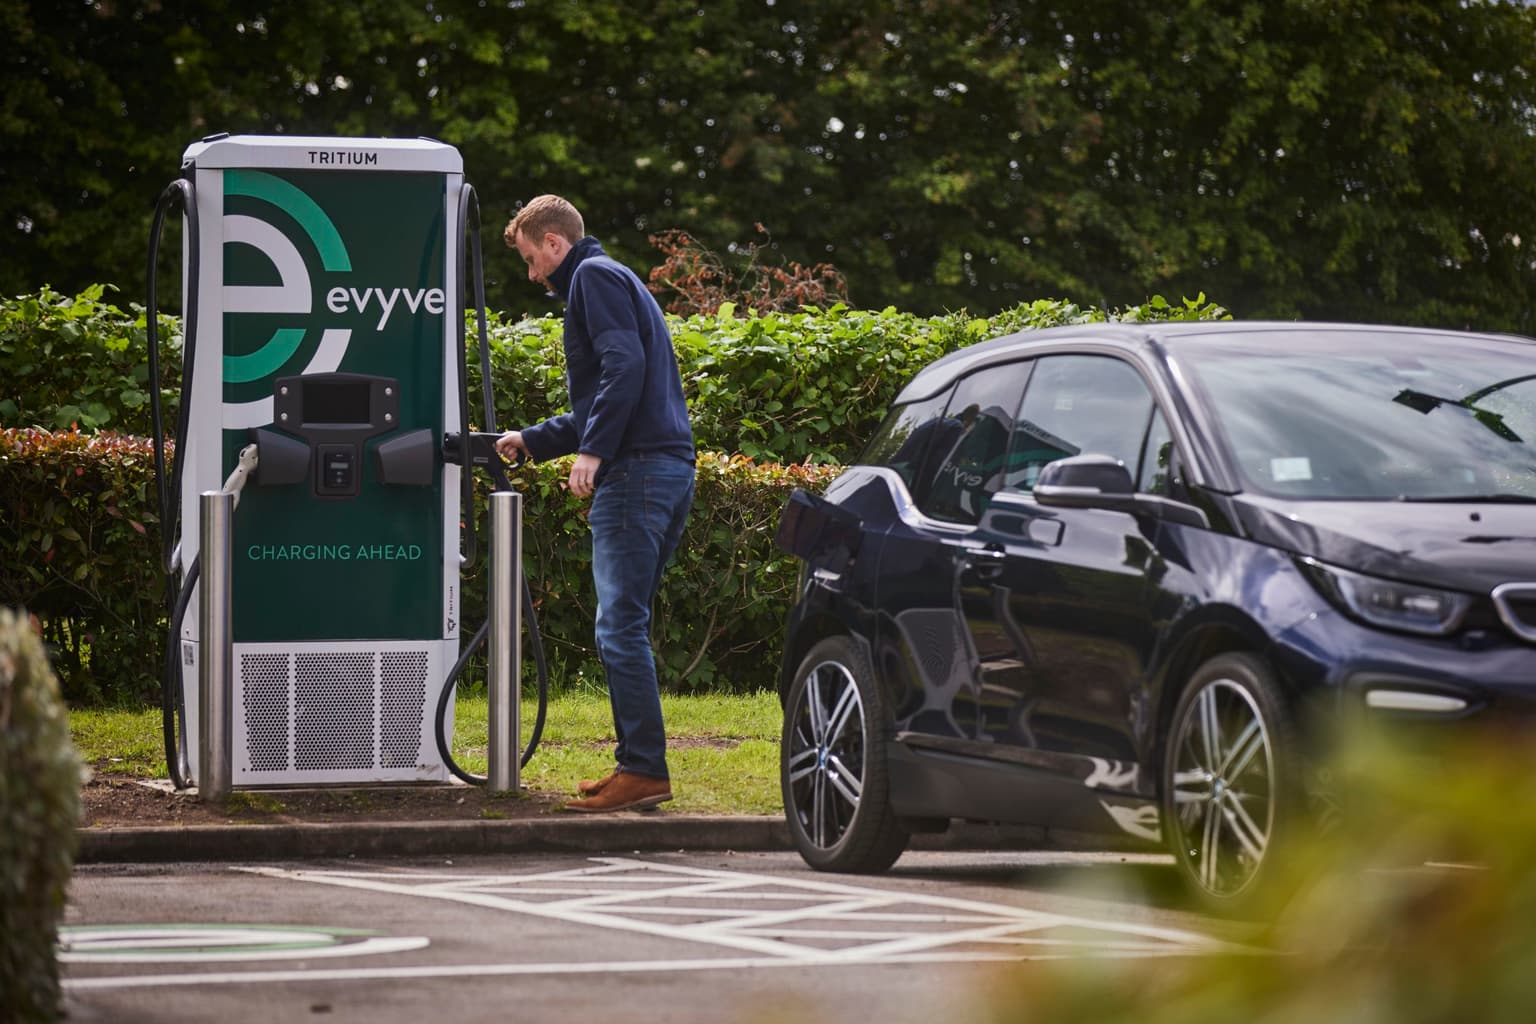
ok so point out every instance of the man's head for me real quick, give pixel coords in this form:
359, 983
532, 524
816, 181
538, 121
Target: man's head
542, 232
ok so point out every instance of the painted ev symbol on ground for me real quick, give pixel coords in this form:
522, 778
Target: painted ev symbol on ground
208, 943
783, 921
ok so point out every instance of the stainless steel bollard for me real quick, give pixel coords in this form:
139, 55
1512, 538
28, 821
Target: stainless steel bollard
215, 634
504, 640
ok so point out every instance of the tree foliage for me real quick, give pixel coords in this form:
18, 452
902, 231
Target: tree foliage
1350, 159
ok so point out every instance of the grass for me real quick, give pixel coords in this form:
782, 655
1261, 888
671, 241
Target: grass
723, 751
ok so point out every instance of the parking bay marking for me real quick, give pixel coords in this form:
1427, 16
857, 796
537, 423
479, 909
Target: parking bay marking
777, 922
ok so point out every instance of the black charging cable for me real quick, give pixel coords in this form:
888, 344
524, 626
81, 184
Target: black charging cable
478, 449
172, 701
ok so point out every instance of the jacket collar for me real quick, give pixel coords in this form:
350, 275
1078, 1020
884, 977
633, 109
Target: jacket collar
560, 280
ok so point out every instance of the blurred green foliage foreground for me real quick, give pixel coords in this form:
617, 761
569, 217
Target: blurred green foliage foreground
1417, 904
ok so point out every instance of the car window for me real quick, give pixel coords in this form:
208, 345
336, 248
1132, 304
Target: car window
902, 442
1373, 415
970, 443
1078, 404
1158, 464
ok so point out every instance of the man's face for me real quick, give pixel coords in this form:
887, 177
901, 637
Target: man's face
543, 255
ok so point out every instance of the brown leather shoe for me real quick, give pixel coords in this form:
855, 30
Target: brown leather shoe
626, 791
592, 787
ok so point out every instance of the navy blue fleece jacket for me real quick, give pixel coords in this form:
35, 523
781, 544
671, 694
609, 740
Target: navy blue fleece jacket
626, 392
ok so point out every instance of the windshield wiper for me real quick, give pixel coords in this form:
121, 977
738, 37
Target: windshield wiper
1472, 499
1423, 402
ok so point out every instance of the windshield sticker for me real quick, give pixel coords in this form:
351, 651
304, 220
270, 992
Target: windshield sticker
1294, 468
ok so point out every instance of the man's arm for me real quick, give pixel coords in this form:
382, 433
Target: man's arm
554, 437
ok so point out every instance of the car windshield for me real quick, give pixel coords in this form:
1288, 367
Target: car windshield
1360, 415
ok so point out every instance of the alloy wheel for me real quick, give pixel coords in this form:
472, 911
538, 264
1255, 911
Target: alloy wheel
825, 763
1223, 787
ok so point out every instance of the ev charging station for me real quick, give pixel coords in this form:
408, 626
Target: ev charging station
325, 382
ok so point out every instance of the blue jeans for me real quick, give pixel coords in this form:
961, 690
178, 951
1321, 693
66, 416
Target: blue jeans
638, 512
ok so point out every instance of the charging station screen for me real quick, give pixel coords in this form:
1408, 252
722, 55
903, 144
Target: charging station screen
336, 401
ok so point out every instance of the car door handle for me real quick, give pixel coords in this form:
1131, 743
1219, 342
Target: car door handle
984, 562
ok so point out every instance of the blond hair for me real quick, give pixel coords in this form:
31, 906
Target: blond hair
541, 215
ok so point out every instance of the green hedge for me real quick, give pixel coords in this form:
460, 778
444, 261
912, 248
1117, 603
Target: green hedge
79, 546
39, 808
81, 549
783, 387
80, 537
77, 360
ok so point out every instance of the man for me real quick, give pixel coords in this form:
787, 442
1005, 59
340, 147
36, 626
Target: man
628, 426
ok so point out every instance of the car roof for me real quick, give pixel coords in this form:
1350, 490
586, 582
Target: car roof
1145, 338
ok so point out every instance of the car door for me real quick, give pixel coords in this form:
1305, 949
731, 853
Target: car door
1057, 599
925, 652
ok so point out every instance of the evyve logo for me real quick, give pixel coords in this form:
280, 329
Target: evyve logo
276, 324
342, 300
292, 297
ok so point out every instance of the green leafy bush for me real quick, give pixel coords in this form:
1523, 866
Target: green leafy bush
781, 387
82, 550
79, 548
787, 387
76, 360
39, 808
720, 615
776, 391
1418, 908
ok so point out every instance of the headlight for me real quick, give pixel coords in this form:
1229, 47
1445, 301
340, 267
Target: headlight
1388, 603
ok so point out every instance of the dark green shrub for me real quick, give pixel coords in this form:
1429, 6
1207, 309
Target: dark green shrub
1418, 908
39, 808
77, 360
79, 547
786, 387
720, 616
781, 387
82, 549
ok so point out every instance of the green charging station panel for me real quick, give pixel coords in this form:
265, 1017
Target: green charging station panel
329, 311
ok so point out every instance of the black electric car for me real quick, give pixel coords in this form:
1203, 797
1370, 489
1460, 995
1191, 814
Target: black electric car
1102, 577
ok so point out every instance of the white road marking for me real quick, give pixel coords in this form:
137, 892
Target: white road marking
765, 920
714, 897
127, 944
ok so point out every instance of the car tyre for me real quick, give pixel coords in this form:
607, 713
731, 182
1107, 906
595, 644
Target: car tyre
1230, 782
832, 762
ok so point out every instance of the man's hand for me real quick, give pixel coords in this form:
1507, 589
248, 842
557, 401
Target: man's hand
510, 445
583, 474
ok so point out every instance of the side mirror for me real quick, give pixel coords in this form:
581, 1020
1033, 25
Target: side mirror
1086, 481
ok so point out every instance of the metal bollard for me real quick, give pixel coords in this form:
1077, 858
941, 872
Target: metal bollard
504, 641
215, 629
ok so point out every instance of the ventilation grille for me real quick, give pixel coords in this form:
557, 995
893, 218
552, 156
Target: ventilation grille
402, 701
333, 711
343, 711
265, 678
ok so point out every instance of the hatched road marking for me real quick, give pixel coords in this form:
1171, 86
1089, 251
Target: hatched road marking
774, 921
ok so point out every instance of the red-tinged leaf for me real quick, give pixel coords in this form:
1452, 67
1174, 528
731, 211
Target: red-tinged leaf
138, 526
48, 555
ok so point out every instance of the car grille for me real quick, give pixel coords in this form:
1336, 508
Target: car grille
1516, 603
